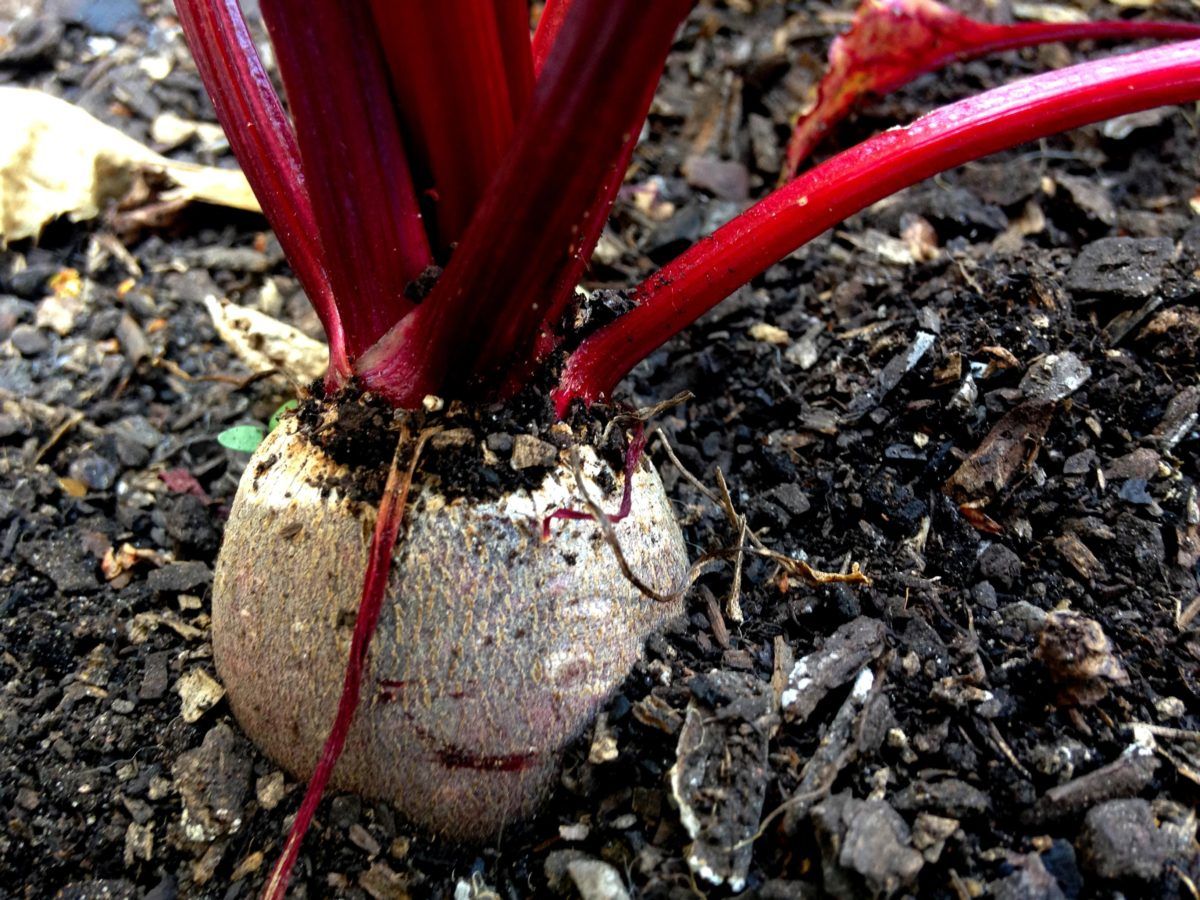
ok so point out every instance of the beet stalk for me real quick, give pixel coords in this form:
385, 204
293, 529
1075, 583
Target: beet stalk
714, 267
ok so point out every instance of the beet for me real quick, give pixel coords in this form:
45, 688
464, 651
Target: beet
493, 651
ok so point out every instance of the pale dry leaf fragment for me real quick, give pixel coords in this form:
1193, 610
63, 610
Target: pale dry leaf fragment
56, 160
265, 344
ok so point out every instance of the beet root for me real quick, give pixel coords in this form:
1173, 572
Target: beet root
494, 649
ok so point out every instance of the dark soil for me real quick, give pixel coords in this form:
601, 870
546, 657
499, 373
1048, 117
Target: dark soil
983, 391
477, 451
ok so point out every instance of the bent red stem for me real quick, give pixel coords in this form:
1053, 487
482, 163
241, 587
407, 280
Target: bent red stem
264, 143
349, 139
379, 564
891, 42
1023, 111
633, 455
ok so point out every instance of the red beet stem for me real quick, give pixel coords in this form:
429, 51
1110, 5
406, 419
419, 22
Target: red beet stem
554, 13
265, 145
486, 308
512, 23
367, 213
379, 562
563, 290
1023, 111
451, 81
891, 42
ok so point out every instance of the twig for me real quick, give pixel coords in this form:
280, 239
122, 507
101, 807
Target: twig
1163, 731
72, 419
1184, 617
789, 564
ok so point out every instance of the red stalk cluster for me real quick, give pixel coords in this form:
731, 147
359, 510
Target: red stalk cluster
443, 135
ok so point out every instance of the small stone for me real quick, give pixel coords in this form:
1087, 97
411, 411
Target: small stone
604, 744
1080, 463
93, 470
170, 130
179, 577
383, 883
529, 451
363, 839
110, 17
200, 692
791, 497
1141, 463
575, 832
139, 843
1028, 880
1055, 377
269, 789
725, 179
930, 834
950, 796
213, 781
155, 678
1121, 266
1170, 708
59, 314
29, 341
1121, 841
1000, 565
596, 880
64, 562
765, 333
1023, 616
28, 799
864, 841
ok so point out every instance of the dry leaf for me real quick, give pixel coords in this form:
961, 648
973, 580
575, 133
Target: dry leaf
56, 159
265, 344
1011, 445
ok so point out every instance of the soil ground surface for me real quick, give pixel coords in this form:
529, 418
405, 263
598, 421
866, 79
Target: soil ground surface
983, 392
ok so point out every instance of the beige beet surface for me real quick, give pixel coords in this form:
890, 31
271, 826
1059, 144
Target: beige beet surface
493, 650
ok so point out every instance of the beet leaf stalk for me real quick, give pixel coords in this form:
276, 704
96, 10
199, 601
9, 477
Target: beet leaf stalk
714, 267
350, 142
891, 42
461, 84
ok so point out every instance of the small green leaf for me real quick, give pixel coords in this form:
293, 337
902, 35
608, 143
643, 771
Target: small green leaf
291, 404
243, 438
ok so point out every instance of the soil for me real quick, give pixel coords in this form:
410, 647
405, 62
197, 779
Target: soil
983, 392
